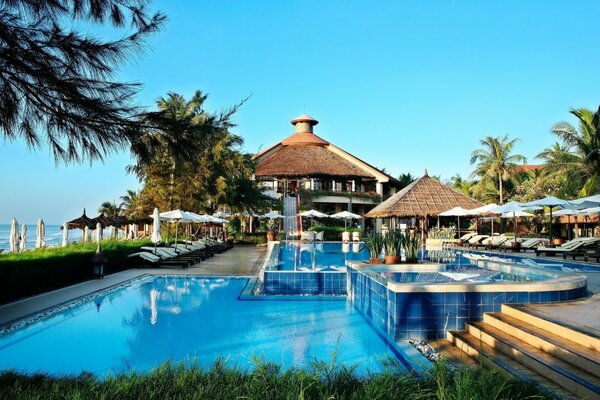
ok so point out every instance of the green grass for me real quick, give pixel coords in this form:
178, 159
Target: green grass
37, 271
269, 381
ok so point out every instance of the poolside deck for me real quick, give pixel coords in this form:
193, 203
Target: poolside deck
238, 261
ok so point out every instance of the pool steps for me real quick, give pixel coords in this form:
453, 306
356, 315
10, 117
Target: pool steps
535, 349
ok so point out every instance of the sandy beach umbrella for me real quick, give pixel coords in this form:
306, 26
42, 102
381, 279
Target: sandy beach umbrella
13, 240
65, 238
346, 215
551, 202
155, 237
40, 232
23, 239
98, 232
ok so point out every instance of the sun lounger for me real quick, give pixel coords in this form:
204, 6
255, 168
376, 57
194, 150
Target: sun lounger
154, 260
467, 236
573, 245
167, 253
475, 239
589, 249
498, 242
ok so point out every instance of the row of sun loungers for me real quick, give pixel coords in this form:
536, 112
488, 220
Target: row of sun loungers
180, 255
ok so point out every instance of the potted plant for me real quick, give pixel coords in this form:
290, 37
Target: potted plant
374, 242
271, 233
411, 242
390, 243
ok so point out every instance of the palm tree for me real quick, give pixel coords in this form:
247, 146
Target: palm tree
461, 185
58, 85
109, 209
495, 161
578, 156
405, 180
128, 199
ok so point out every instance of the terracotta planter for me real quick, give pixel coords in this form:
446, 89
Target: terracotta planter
271, 236
392, 259
375, 260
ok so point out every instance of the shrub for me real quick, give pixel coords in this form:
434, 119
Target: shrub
250, 238
332, 233
42, 270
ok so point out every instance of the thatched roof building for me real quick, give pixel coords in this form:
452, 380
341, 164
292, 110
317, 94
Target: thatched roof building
425, 197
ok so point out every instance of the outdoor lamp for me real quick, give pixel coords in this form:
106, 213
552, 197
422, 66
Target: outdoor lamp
98, 261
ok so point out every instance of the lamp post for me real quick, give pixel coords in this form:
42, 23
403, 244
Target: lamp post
98, 261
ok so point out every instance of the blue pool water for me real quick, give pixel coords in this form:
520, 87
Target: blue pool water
318, 256
527, 260
193, 319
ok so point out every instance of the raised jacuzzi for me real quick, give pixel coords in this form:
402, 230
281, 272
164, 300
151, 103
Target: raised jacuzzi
424, 301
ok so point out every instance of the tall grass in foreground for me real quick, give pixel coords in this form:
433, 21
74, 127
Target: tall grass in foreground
270, 381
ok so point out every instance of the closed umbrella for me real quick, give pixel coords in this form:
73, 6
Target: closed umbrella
65, 238
86, 234
40, 233
346, 215
155, 237
98, 232
23, 241
551, 202
13, 240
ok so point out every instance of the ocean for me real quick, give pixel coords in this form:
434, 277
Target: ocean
53, 235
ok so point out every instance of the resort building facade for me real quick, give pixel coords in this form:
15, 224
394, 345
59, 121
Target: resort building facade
321, 174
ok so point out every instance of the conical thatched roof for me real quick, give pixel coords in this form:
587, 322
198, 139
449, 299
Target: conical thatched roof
424, 197
81, 222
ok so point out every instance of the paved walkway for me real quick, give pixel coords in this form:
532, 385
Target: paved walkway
241, 260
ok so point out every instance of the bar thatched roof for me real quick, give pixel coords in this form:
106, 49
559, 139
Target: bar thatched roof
424, 197
80, 222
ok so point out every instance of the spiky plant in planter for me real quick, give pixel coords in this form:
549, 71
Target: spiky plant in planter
374, 242
391, 243
411, 242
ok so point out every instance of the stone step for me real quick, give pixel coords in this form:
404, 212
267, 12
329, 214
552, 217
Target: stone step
574, 334
569, 377
489, 357
567, 350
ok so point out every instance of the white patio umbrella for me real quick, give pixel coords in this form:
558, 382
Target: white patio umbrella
512, 208
222, 214
551, 202
456, 212
568, 212
98, 232
272, 215
484, 211
40, 232
176, 216
13, 239
312, 214
346, 215
155, 237
65, 238
23, 239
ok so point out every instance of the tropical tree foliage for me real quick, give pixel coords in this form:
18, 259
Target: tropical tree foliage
461, 185
109, 209
495, 163
577, 154
192, 160
56, 82
405, 180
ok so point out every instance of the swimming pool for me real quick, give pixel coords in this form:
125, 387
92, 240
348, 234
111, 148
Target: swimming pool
194, 319
467, 256
303, 256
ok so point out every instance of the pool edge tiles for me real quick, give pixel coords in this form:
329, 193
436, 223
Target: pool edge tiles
428, 311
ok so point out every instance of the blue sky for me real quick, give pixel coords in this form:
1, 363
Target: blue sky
402, 85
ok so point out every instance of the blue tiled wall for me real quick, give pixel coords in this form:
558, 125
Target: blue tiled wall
301, 282
429, 315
